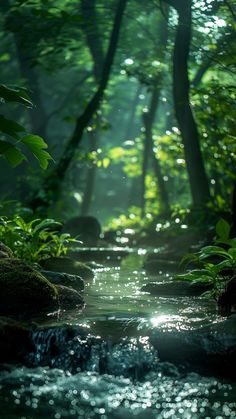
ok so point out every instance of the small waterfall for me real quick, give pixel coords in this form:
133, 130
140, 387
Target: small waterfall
73, 349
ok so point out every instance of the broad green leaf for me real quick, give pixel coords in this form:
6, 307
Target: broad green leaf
13, 155
208, 251
223, 229
45, 224
16, 94
37, 146
9, 127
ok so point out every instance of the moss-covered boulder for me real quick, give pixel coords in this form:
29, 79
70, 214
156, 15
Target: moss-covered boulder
23, 289
68, 298
62, 278
15, 341
68, 265
5, 251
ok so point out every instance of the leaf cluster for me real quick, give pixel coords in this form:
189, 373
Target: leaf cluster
217, 263
15, 134
34, 240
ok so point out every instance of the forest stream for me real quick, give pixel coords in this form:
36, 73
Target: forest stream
105, 361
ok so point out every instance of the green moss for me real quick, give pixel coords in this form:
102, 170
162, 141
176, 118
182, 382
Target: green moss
68, 265
22, 288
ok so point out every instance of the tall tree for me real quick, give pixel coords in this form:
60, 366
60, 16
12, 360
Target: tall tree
51, 185
94, 41
28, 72
184, 115
148, 121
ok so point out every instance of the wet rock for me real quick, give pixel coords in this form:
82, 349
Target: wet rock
5, 251
176, 288
60, 278
87, 228
23, 289
15, 341
68, 298
67, 265
73, 349
210, 348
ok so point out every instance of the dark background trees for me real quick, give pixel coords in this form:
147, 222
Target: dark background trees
141, 95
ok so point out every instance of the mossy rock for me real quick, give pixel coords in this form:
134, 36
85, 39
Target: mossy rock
62, 278
67, 265
176, 288
15, 341
5, 251
69, 298
23, 289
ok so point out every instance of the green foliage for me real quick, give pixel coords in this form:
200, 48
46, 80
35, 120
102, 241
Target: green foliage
217, 264
13, 131
34, 240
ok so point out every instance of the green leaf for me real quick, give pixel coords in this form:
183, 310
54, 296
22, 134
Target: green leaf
189, 276
223, 229
37, 146
9, 127
13, 155
16, 94
45, 224
208, 251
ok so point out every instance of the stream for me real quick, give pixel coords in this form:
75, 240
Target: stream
103, 361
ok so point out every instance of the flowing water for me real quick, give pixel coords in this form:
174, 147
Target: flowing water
100, 362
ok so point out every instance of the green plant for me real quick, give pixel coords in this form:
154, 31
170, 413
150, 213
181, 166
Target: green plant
35, 240
217, 263
15, 135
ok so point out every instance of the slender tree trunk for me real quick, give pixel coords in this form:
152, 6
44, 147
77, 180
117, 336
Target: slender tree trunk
94, 42
93, 36
148, 119
90, 178
51, 186
184, 115
37, 114
129, 132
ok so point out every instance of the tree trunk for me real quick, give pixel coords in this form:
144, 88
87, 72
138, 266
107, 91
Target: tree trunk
130, 128
37, 114
94, 42
51, 186
184, 115
93, 36
148, 119
90, 178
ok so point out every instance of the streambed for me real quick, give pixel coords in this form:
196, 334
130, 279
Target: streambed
134, 383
